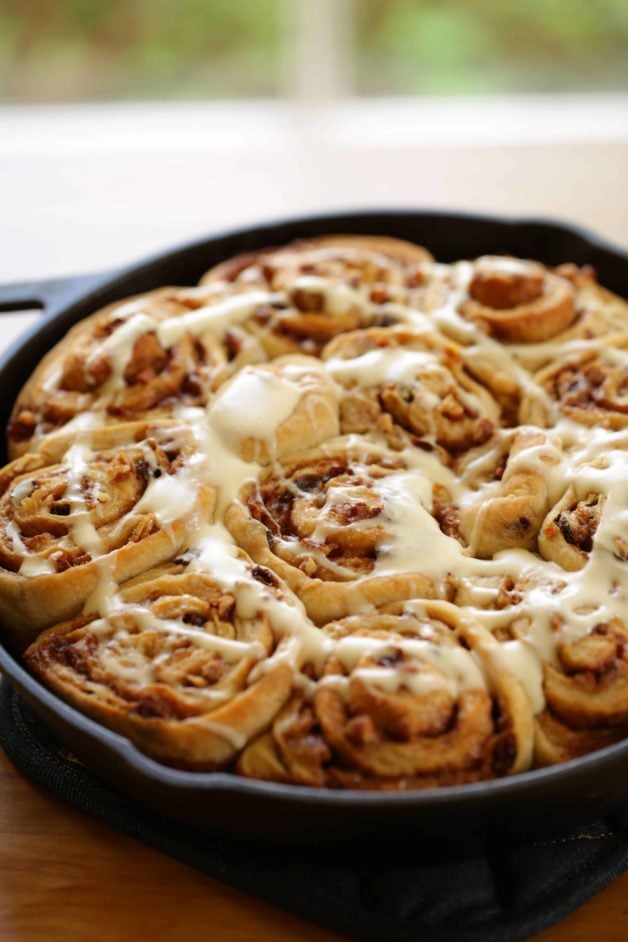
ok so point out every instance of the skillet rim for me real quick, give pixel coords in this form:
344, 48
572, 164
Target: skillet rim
81, 289
476, 792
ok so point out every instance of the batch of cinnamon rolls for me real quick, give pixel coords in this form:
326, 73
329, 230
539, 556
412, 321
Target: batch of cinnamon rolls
339, 516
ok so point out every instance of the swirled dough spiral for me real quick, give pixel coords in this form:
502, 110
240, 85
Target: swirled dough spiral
340, 516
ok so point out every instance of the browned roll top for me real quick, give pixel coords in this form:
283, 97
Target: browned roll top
339, 516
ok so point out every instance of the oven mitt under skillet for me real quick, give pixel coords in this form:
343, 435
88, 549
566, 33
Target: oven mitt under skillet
367, 890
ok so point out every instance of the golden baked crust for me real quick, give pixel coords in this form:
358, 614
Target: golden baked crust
175, 674
322, 520
69, 527
340, 516
519, 302
85, 374
402, 703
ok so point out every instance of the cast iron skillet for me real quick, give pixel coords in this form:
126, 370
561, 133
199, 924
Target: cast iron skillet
577, 790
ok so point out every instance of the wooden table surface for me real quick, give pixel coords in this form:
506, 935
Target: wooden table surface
63, 874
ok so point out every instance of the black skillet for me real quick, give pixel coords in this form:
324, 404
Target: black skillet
578, 790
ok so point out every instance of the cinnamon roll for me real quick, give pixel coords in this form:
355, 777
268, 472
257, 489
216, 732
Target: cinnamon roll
133, 360
325, 287
590, 387
600, 312
410, 383
94, 515
181, 665
403, 702
500, 592
512, 505
330, 522
586, 694
518, 301
575, 668
340, 516
269, 411
371, 262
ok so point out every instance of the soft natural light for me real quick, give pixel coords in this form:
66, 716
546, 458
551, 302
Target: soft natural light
314, 470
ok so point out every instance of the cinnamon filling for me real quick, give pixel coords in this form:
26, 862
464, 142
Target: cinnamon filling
579, 522
322, 507
455, 423
106, 492
591, 386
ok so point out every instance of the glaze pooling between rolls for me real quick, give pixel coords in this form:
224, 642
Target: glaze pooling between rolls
341, 516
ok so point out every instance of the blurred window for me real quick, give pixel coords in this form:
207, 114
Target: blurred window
94, 50
482, 46
91, 50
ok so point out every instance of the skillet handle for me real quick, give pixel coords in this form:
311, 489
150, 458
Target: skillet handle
51, 294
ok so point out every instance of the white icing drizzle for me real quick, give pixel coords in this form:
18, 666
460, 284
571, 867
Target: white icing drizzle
522, 660
555, 606
415, 541
390, 364
84, 533
117, 347
232, 651
219, 556
35, 566
76, 429
454, 668
169, 497
214, 318
104, 599
21, 491
338, 298
226, 470
252, 405
393, 680
233, 736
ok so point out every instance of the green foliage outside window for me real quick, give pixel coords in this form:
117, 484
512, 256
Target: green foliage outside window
478, 46
86, 50
52, 50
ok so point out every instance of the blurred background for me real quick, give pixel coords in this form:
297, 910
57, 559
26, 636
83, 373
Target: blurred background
126, 125
103, 50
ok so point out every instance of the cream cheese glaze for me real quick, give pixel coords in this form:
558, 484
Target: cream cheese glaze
547, 605
253, 405
413, 538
